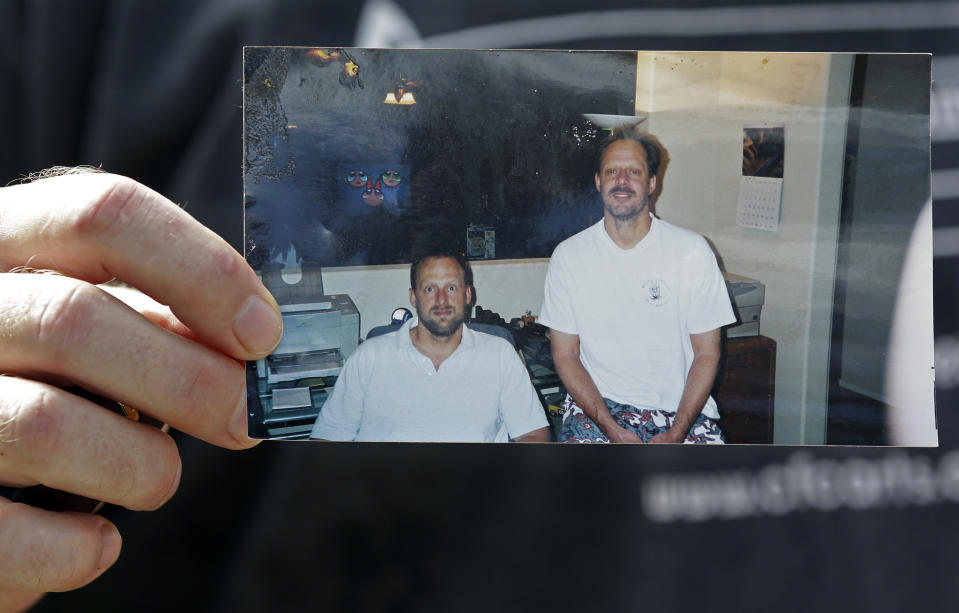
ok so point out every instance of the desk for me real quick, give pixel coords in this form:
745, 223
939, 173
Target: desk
745, 389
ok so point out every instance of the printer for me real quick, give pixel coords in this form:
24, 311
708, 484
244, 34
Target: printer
748, 296
319, 331
317, 339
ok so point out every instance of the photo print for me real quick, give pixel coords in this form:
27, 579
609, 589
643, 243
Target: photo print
491, 169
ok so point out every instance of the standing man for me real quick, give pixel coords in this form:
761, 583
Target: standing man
635, 305
434, 379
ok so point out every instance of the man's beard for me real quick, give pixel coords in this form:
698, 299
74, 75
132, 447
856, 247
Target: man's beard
439, 330
627, 215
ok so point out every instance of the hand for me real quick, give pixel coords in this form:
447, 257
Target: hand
618, 434
672, 435
179, 364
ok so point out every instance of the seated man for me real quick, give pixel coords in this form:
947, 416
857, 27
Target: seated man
635, 306
434, 379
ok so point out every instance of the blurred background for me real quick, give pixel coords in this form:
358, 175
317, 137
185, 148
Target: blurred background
152, 90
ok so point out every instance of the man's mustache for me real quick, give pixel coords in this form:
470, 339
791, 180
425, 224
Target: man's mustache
622, 189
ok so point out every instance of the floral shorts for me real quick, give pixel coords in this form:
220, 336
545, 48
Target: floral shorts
647, 423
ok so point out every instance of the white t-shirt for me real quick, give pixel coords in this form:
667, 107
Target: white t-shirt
634, 309
389, 391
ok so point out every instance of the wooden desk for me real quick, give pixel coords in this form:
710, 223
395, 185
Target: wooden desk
744, 389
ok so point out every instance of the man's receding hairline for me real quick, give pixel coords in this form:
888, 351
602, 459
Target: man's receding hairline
652, 148
625, 139
437, 256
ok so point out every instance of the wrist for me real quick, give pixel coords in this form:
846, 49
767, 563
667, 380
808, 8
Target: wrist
606, 422
617, 434
680, 427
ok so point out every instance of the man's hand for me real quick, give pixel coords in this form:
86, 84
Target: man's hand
618, 434
565, 349
180, 363
673, 435
702, 373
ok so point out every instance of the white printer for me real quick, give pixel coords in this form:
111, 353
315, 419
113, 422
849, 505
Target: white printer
319, 331
317, 339
748, 296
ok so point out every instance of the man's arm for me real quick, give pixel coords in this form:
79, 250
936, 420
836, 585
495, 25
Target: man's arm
341, 416
64, 328
581, 387
519, 405
702, 373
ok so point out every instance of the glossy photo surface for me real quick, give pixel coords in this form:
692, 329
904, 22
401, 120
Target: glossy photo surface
806, 173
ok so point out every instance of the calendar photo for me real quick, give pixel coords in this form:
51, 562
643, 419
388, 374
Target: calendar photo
763, 151
728, 248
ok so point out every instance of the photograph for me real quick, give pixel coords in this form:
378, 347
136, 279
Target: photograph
601, 246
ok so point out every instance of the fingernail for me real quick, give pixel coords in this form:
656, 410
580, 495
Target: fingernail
111, 545
258, 325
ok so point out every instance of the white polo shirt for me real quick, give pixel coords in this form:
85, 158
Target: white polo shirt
389, 391
634, 309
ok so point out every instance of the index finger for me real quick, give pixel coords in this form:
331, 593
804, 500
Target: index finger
97, 227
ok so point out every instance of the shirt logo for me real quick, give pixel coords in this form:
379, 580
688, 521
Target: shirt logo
656, 292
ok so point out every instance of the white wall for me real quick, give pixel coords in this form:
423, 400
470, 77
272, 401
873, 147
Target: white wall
700, 102
509, 287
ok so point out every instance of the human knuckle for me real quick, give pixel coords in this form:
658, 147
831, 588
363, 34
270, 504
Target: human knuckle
208, 388
66, 313
226, 261
118, 475
136, 478
192, 397
36, 421
114, 203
